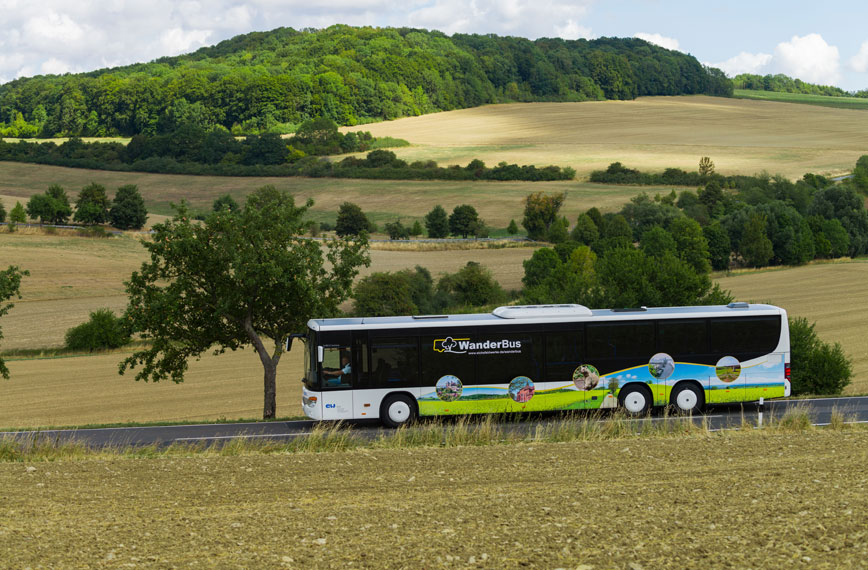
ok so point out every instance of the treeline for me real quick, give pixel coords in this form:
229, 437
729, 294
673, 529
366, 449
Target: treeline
748, 220
126, 211
781, 83
190, 150
273, 81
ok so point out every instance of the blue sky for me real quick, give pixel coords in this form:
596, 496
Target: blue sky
818, 43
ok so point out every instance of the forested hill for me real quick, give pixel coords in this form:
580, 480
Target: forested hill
272, 81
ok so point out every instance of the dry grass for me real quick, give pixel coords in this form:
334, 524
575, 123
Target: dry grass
88, 390
382, 200
830, 294
755, 500
651, 133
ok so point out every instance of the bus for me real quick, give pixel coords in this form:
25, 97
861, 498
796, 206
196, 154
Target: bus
544, 357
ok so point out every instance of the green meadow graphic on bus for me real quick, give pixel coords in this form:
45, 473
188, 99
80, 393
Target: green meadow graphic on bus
727, 381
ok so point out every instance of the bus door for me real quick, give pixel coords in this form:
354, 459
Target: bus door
337, 381
364, 404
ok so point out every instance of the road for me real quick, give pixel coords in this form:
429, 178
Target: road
718, 417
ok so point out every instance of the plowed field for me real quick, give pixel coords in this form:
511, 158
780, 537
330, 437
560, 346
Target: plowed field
739, 500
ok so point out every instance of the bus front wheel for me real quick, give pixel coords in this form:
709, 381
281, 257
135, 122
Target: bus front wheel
636, 400
397, 410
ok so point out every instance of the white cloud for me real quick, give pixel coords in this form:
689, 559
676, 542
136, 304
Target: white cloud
54, 66
657, 39
859, 62
571, 30
745, 63
177, 41
809, 58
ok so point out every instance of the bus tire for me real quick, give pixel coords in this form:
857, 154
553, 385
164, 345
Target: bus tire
687, 398
397, 410
635, 399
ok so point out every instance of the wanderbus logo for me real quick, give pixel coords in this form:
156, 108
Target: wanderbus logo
465, 346
450, 344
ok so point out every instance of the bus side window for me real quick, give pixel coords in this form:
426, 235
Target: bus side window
563, 355
336, 367
394, 362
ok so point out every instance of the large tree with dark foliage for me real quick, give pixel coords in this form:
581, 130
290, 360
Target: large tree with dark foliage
236, 279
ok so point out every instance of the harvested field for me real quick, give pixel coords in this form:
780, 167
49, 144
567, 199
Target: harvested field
830, 294
382, 200
755, 500
81, 390
650, 133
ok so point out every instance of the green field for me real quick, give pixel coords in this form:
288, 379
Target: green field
860, 103
745, 499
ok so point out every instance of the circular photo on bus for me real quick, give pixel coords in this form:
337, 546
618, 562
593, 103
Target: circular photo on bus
661, 366
449, 388
728, 369
521, 389
586, 377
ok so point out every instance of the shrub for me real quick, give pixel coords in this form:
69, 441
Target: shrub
103, 330
817, 367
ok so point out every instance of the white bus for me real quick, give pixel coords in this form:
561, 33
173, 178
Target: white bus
544, 357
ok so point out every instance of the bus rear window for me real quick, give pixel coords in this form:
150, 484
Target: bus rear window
745, 335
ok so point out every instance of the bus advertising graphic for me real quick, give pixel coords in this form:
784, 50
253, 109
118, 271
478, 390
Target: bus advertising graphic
449, 388
661, 366
728, 369
521, 389
586, 377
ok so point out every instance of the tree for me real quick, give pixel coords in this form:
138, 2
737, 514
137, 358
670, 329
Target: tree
2, 212
92, 205
384, 294
817, 367
10, 283
225, 201
755, 246
397, 230
128, 209
463, 221
540, 212
512, 228
690, 243
235, 280
719, 246
103, 330
586, 230
472, 286
52, 207
17, 216
416, 229
437, 222
706, 167
352, 221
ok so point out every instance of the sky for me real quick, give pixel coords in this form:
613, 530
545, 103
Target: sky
826, 44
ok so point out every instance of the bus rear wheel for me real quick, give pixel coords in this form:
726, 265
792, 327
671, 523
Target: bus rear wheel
397, 410
687, 398
635, 400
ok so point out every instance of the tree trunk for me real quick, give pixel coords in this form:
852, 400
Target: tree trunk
269, 365
269, 408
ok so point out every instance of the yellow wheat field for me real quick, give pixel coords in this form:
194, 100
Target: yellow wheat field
650, 133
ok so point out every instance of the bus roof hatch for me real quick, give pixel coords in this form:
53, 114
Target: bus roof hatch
541, 311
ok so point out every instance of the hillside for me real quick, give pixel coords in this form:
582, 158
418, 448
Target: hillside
272, 81
650, 133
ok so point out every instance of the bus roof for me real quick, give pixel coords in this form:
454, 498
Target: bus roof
542, 314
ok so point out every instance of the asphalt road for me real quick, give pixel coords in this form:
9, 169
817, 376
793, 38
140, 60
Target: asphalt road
718, 417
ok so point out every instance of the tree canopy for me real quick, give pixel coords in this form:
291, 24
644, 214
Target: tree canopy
235, 279
274, 81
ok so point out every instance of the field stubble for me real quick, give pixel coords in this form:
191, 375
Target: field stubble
756, 499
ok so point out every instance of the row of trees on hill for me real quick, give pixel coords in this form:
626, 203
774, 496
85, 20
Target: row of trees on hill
126, 211
190, 150
274, 81
781, 83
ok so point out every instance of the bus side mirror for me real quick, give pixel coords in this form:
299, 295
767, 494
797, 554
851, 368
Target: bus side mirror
291, 337
319, 354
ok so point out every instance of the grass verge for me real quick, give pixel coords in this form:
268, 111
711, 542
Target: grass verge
464, 431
